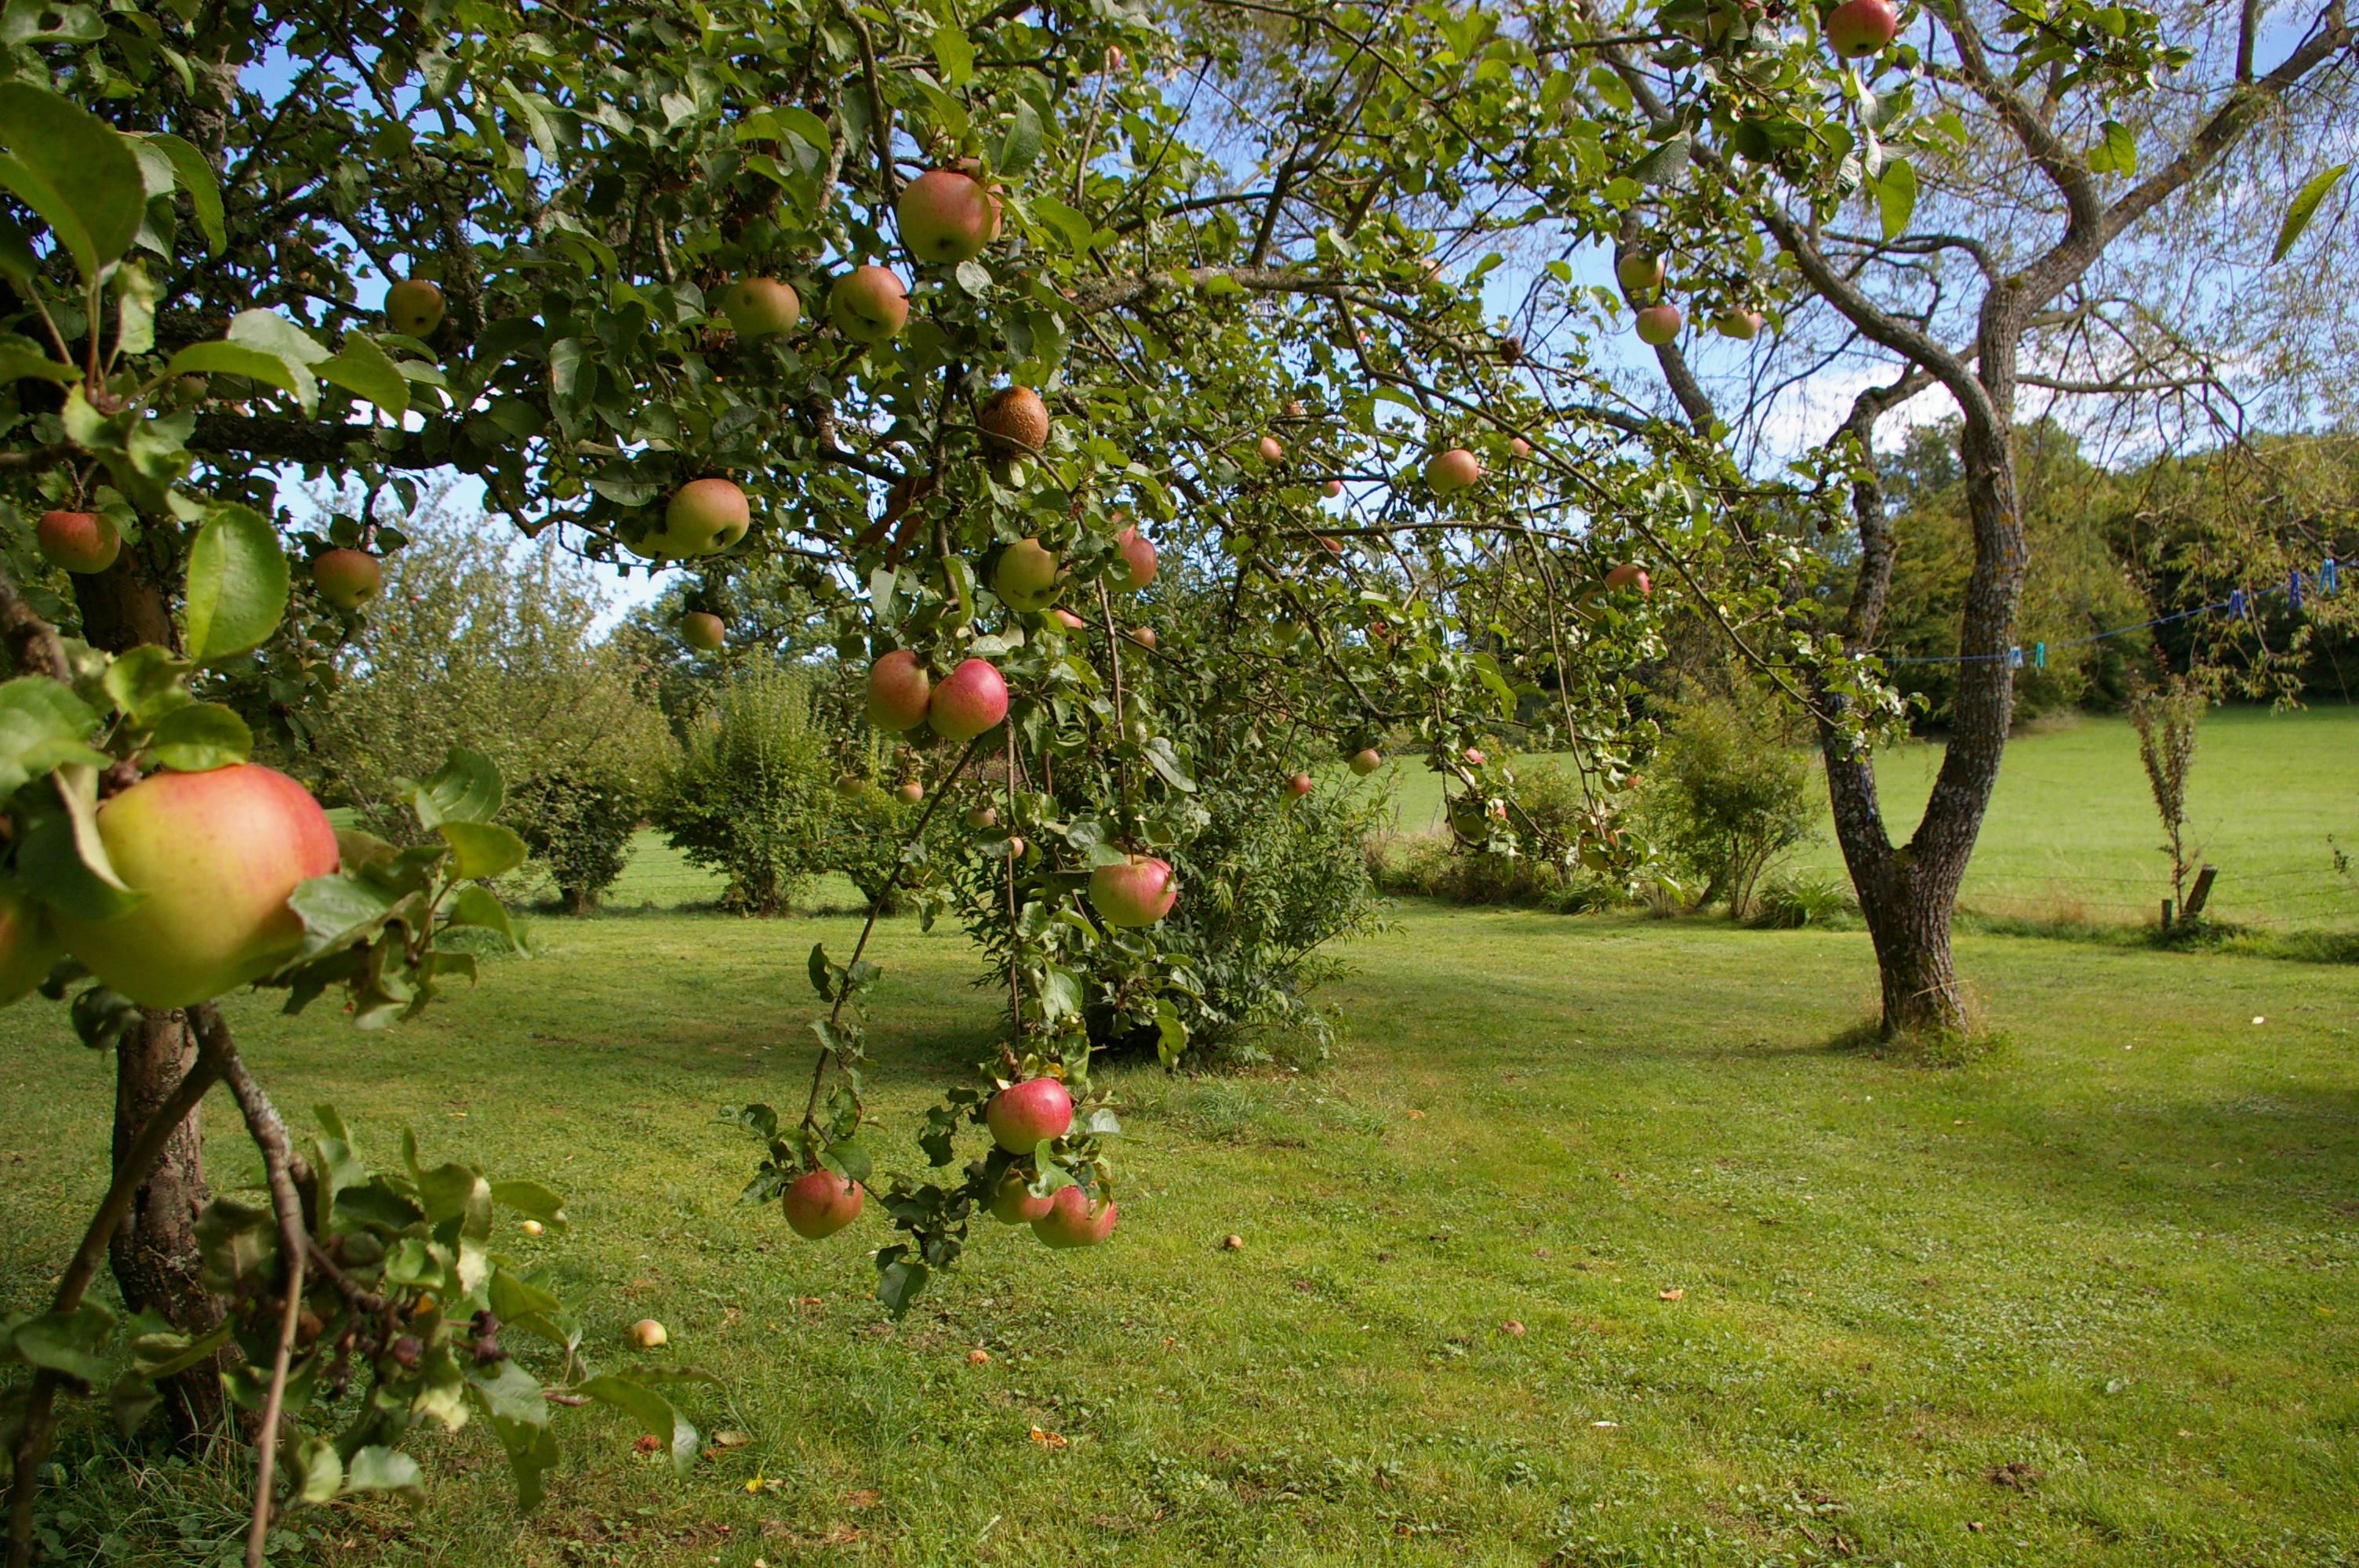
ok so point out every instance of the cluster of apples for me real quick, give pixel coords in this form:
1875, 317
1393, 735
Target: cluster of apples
1641, 276
214, 856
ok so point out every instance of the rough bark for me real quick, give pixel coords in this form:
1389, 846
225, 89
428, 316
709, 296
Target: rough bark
154, 1252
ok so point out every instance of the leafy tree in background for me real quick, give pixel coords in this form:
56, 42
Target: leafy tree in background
750, 794
495, 647
1727, 793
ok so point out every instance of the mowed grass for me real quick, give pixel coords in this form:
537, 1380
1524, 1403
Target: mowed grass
1781, 1300
2071, 833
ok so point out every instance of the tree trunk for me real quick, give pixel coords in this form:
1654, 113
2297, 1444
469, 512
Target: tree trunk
1908, 896
155, 1253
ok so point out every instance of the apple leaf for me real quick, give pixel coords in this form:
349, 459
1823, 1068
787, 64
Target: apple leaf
17, 364
476, 906
651, 1411
365, 370
223, 357
70, 1343
1022, 146
195, 176
273, 334
483, 848
238, 584
74, 170
198, 737
376, 1469
2304, 208
465, 788
1895, 196
42, 723
532, 1198
147, 682
954, 52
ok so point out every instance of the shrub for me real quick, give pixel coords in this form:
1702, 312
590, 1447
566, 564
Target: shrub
751, 793
579, 828
1792, 902
1726, 795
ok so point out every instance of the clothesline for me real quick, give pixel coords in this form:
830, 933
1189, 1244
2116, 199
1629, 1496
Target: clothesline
2238, 604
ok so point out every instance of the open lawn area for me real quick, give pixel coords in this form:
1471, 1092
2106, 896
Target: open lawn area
1596, 1247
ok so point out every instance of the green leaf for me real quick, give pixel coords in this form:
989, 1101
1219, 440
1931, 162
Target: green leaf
519, 1417
478, 905
899, 1278
1895, 197
200, 737
465, 788
42, 723
378, 1469
54, 862
2115, 152
134, 306
484, 849
954, 52
237, 584
273, 334
1022, 146
17, 364
220, 356
74, 170
2304, 208
651, 1411
365, 369
531, 1199
195, 176
70, 1343
319, 1470
338, 909
147, 682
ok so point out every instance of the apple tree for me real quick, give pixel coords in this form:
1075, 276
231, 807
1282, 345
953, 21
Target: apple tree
995, 335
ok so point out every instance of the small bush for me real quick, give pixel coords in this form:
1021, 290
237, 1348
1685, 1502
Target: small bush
1726, 795
751, 795
1790, 902
579, 829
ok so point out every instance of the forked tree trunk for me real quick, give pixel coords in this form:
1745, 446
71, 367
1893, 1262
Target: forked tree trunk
154, 1253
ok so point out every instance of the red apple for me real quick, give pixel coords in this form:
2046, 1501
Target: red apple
1741, 325
1271, 451
851, 786
29, 948
869, 305
1072, 1221
1015, 421
1025, 577
1639, 274
647, 1334
217, 853
911, 792
820, 1202
969, 700
1012, 1202
1333, 487
78, 541
1136, 892
703, 631
946, 216
1366, 761
1294, 410
413, 307
1299, 785
1138, 560
761, 307
1626, 575
346, 578
704, 516
1015, 847
1022, 1114
1476, 756
1454, 469
1068, 620
1659, 324
982, 816
898, 691
1143, 635
1858, 28
1519, 446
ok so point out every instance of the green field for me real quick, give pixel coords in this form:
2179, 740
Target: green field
2071, 833
1781, 1300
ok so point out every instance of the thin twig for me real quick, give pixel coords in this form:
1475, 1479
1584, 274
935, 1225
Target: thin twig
265, 1465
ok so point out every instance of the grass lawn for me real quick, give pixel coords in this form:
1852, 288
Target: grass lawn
2071, 833
1781, 1301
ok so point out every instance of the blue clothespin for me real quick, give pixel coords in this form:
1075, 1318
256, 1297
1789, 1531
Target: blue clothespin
2015, 658
2293, 588
2326, 576
2040, 656
2237, 603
